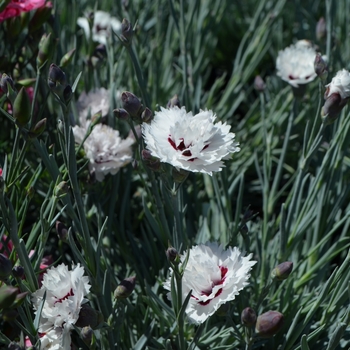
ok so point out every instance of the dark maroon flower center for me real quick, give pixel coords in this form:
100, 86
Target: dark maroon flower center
70, 293
223, 270
183, 148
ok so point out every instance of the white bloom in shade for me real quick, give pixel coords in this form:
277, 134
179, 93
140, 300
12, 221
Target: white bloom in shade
65, 292
295, 64
215, 277
102, 28
190, 142
92, 103
340, 84
104, 147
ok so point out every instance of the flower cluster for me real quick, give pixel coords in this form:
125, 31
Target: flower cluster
64, 292
215, 277
295, 64
190, 142
16, 7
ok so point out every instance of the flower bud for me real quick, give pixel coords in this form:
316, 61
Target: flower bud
38, 129
121, 113
259, 84
8, 295
179, 175
22, 107
282, 271
248, 317
5, 81
5, 267
45, 50
147, 115
151, 162
321, 29
62, 231
127, 32
87, 335
61, 189
18, 271
269, 323
57, 79
88, 317
332, 108
67, 58
174, 101
171, 253
320, 66
125, 288
131, 104
67, 94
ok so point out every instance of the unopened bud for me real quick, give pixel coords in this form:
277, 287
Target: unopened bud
269, 323
18, 271
38, 128
125, 288
67, 94
121, 113
127, 32
171, 253
248, 317
282, 271
62, 231
320, 67
5, 267
332, 108
174, 101
61, 189
67, 58
57, 79
131, 104
22, 107
151, 162
88, 317
146, 115
321, 29
259, 84
5, 81
8, 295
87, 335
179, 175
45, 50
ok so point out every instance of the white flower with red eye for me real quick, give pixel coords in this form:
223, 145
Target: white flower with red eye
295, 64
190, 142
215, 277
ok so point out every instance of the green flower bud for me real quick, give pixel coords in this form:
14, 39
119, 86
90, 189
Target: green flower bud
88, 317
67, 58
248, 317
61, 189
131, 104
269, 323
5, 81
5, 267
121, 113
46, 46
147, 115
62, 231
87, 335
8, 295
282, 271
22, 107
125, 288
57, 79
38, 129
127, 32
174, 101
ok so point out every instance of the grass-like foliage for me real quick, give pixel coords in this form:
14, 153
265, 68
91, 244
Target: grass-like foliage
113, 235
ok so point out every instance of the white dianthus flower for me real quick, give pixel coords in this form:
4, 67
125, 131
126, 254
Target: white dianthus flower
215, 277
295, 64
340, 84
190, 142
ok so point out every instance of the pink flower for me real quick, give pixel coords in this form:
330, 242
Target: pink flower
16, 7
